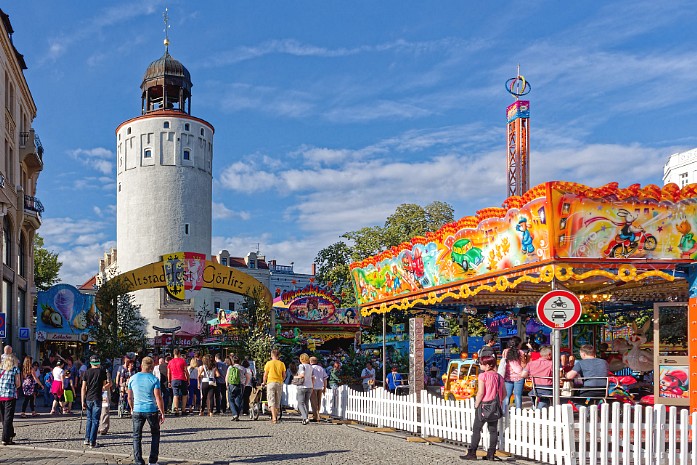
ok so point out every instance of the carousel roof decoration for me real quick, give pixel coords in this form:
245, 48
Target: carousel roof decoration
624, 243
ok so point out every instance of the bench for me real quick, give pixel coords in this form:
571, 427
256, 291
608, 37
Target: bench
578, 393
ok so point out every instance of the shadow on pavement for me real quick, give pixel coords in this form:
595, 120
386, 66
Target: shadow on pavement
282, 457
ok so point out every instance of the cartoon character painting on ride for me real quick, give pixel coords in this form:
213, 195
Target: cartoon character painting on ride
552, 220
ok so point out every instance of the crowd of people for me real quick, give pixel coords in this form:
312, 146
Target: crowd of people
148, 388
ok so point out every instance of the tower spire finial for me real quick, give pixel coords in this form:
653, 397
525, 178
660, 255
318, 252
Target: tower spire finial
165, 18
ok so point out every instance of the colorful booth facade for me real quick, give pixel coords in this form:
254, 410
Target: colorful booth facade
313, 315
635, 244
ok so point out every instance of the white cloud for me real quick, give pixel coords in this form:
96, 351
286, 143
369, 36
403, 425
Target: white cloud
98, 158
245, 177
220, 211
79, 243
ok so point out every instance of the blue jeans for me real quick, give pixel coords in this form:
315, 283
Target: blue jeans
543, 397
194, 394
234, 392
515, 388
139, 420
94, 410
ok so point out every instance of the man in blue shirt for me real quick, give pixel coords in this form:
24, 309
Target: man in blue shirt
145, 399
394, 379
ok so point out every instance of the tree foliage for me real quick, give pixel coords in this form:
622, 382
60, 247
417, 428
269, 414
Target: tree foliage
46, 265
119, 327
257, 341
408, 220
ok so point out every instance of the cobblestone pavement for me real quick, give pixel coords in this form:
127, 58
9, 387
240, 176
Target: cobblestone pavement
218, 440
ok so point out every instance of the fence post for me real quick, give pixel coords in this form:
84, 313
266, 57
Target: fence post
566, 430
660, 415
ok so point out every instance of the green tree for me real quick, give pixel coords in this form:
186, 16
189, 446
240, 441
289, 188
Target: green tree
257, 341
118, 327
333, 271
46, 265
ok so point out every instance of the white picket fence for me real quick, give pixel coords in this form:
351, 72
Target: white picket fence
635, 435
612, 434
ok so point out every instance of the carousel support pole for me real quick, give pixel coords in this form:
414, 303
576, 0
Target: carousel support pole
384, 348
692, 334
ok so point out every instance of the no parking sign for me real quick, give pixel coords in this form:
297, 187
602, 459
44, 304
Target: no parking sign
3, 332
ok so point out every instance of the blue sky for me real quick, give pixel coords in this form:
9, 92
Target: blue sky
330, 114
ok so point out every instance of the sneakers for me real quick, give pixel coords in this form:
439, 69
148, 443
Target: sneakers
156, 463
85, 443
94, 446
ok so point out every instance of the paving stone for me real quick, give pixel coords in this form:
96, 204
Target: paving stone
217, 440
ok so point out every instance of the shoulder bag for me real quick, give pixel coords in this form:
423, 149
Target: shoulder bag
502, 364
491, 410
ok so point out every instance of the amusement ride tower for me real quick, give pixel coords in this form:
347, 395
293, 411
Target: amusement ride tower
518, 137
164, 186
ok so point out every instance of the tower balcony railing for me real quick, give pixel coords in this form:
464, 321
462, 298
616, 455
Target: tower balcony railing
33, 204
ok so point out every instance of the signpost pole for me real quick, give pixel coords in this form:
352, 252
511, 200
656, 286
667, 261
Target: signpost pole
556, 363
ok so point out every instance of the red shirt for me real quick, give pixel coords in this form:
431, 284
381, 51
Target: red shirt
177, 369
541, 370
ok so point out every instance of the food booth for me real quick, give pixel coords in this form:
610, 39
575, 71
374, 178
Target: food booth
630, 246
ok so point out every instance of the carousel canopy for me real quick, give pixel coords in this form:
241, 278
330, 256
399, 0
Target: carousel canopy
604, 244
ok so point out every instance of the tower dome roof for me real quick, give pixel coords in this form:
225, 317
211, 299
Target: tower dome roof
167, 67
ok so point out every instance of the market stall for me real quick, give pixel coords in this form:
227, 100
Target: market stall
312, 316
629, 246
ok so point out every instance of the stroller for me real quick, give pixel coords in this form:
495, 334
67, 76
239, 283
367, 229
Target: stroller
259, 404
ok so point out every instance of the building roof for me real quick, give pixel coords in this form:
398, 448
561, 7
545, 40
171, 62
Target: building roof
168, 68
88, 285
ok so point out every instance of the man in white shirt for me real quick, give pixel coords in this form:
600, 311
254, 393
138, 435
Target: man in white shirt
319, 387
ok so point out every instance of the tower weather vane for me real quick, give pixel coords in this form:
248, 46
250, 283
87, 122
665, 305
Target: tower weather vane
165, 18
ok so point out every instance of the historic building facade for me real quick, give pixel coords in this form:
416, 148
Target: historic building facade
681, 168
20, 209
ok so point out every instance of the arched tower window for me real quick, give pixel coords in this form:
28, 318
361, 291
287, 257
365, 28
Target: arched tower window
166, 125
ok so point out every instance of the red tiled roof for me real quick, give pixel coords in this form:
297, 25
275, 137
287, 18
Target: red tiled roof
89, 284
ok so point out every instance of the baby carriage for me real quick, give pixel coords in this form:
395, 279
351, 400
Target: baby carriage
258, 403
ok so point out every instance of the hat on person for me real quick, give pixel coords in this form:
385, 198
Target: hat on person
94, 360
488, 338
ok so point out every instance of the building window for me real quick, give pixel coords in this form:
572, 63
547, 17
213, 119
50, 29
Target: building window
166, 125
128, 130
231, 306
252, 264
148, 153
119, 187
216, 305
186, 229
202, 133
223, 261
22, 256
7, 304
21, 303
683, 179
6, 242
187, 127
187, 155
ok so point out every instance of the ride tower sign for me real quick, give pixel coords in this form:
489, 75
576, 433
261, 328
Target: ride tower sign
559, 309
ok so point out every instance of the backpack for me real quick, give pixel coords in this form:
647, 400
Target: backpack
28, 386
233, 376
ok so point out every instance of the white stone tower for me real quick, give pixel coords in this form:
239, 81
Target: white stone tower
164, 187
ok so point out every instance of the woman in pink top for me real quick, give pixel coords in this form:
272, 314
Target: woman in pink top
490, 387
515, 362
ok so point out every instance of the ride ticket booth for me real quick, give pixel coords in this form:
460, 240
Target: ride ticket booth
671, 357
